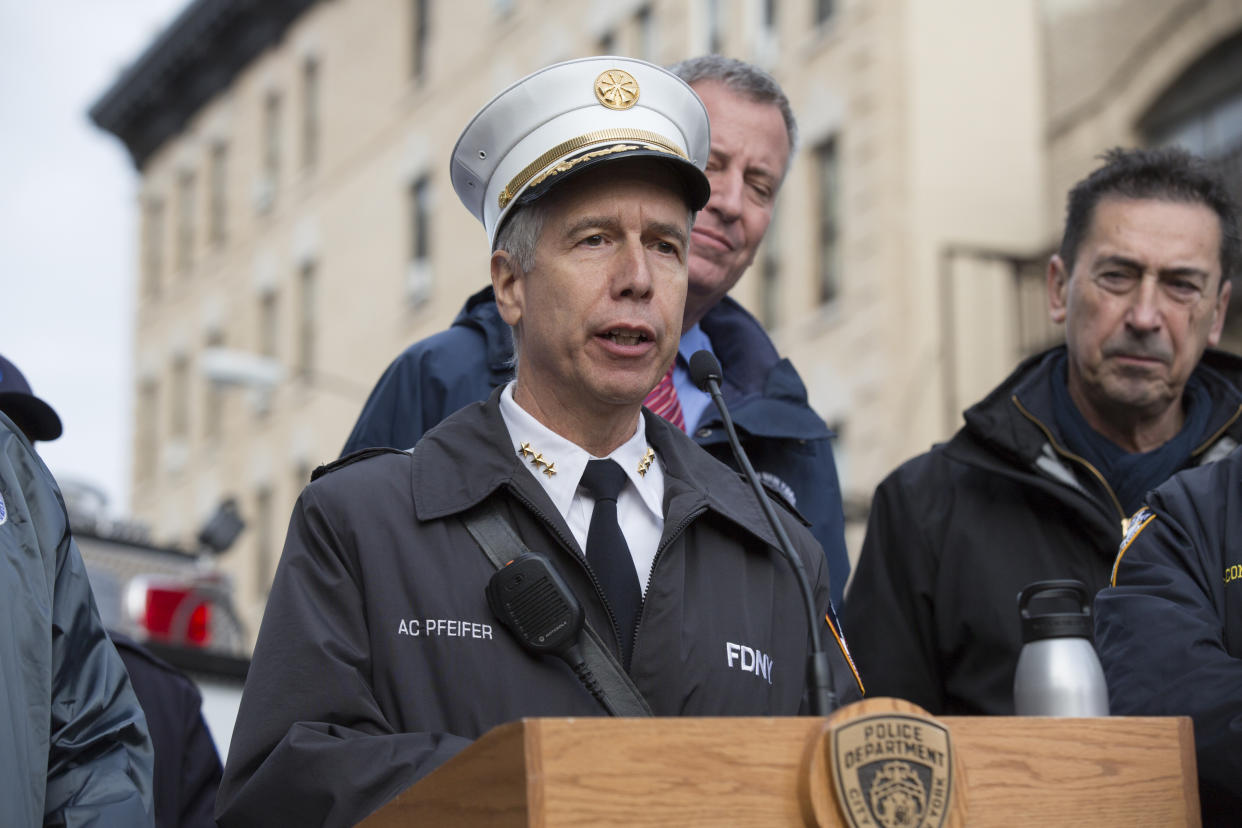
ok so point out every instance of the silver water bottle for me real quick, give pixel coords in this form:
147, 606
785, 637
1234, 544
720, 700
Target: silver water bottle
1058, 672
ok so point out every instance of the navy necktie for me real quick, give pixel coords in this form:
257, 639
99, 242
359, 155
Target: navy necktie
607, 552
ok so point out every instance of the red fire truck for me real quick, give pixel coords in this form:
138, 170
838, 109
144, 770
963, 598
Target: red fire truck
174, 601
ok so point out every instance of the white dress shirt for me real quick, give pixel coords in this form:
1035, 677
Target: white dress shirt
640, 505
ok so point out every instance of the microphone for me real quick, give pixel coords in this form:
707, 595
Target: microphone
705, 373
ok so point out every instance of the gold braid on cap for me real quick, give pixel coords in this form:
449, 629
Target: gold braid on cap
652, 139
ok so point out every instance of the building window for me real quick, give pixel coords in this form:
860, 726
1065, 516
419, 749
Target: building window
306, 322
824, 9
607, 43
715, 27
185, 220
268, 327
419, 279
217, 197
264, 542
1201, 110
767, 35
310, 112
147, 438
828, 196
271, 145
770, 276
152, 246
420, 27
179, 402
213, 396
645, 31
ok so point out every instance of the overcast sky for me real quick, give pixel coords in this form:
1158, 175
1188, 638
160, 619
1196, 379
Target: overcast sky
68, 224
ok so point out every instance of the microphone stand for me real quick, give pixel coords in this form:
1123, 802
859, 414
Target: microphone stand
822, 698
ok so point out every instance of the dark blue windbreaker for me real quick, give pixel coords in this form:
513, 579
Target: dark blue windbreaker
1169, 629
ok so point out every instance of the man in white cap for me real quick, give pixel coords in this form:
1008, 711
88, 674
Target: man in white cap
378, 657
753, 137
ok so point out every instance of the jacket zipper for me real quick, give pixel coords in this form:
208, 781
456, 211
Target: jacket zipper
1069, 455
569, 547
676, 533
1219, 433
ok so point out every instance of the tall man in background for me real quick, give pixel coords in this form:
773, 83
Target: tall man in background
1039, 482
753, 136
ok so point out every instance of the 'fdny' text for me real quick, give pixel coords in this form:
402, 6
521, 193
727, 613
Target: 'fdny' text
749, 660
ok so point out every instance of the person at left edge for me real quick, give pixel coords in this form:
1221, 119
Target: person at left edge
378, 658
187, 767
74, 748
753, 138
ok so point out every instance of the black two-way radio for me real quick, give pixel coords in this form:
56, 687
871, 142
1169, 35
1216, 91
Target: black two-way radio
534, 603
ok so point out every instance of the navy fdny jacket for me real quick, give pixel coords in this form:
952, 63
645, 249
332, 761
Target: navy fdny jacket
788, 443
378, 658
1169, 629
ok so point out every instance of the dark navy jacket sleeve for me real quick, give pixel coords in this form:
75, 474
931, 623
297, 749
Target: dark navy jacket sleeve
419, 389
435, 377
187, 767
788, 443
1168, 629
341, 757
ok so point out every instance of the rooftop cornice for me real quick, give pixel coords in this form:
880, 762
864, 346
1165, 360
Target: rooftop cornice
196, 57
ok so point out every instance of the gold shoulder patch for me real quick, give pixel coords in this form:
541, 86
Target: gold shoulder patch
1137, 522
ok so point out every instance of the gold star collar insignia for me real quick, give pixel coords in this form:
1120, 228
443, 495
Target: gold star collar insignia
536, 459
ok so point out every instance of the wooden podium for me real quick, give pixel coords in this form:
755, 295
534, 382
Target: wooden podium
770, 772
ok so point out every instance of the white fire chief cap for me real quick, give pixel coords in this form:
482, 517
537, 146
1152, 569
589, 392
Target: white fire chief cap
567, 117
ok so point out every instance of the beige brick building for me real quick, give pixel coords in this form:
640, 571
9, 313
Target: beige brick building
296, 209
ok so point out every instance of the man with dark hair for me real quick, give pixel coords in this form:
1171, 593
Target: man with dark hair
1039, 481
379, 656
753, 139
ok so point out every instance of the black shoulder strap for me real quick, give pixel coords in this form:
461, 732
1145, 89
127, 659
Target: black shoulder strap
501, 544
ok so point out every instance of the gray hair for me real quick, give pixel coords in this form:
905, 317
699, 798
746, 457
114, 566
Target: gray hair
519, 235
745, 79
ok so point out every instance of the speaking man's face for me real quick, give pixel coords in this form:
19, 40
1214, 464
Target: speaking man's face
599, 315
1141, 303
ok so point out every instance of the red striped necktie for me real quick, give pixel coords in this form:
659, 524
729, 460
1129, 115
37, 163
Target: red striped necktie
663, 401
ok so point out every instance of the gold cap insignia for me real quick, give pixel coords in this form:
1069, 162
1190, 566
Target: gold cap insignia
616, 89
